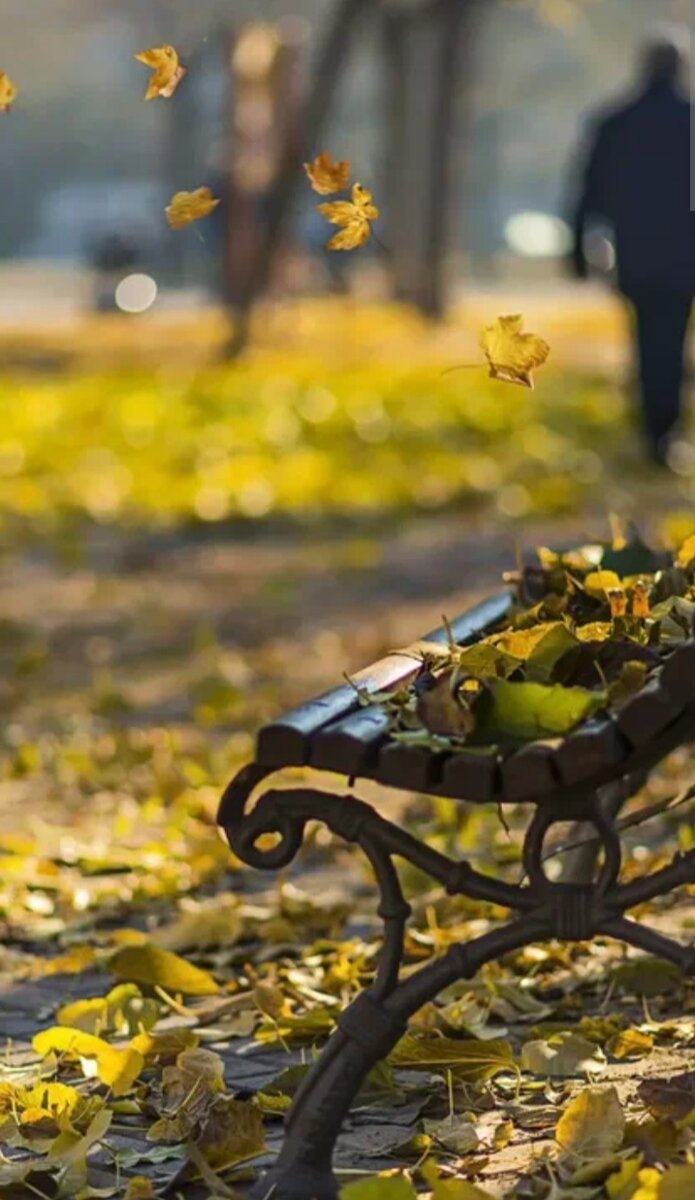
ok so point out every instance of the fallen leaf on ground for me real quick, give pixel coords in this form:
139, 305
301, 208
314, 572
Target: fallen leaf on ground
326, 175
160, 968
592, 1125
117, 1069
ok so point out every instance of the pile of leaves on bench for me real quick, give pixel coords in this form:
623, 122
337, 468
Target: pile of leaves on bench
588, 629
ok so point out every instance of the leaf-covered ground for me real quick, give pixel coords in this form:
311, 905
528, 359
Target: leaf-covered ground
138, 656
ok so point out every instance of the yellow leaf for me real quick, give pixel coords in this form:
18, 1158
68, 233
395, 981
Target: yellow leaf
139, 1188
8, 92
621, 1182
117, 1069
186, 207
599, 583
513, 355
160, 968
74, 962
327, 176
630, 1043
167, 71
353, 216
592, 1125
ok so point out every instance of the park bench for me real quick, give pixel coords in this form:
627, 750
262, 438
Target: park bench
565, 780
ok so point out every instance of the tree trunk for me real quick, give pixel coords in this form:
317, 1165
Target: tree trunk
330, 63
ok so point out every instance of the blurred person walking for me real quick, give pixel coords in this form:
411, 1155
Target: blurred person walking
637, 178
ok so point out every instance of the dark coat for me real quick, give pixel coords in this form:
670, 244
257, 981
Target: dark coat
637, 178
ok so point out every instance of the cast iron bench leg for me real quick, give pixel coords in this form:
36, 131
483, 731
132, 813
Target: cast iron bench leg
372, 1025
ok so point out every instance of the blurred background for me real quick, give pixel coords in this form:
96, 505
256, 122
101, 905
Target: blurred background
85, 160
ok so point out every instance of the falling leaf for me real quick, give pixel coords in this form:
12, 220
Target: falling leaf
327, 176
353, 216
513, 355
160, 968
167, 71
186, 207
563, 1054
117, 1069
592, 1125
8, 93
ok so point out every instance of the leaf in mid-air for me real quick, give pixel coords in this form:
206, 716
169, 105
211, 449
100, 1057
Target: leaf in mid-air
167, 71
326, 175
160, 968
511, 354
354, 217
592, 1125
8, 92
186, 207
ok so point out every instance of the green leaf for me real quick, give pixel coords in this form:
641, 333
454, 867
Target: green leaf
535, 710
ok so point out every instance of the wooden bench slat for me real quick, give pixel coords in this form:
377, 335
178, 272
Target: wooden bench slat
350, 746
647, 713
530, 772
678, 673
468, 776
593, 747
287, 741
414, 768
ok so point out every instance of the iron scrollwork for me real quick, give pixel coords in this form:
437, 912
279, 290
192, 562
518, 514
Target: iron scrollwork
371, 1026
